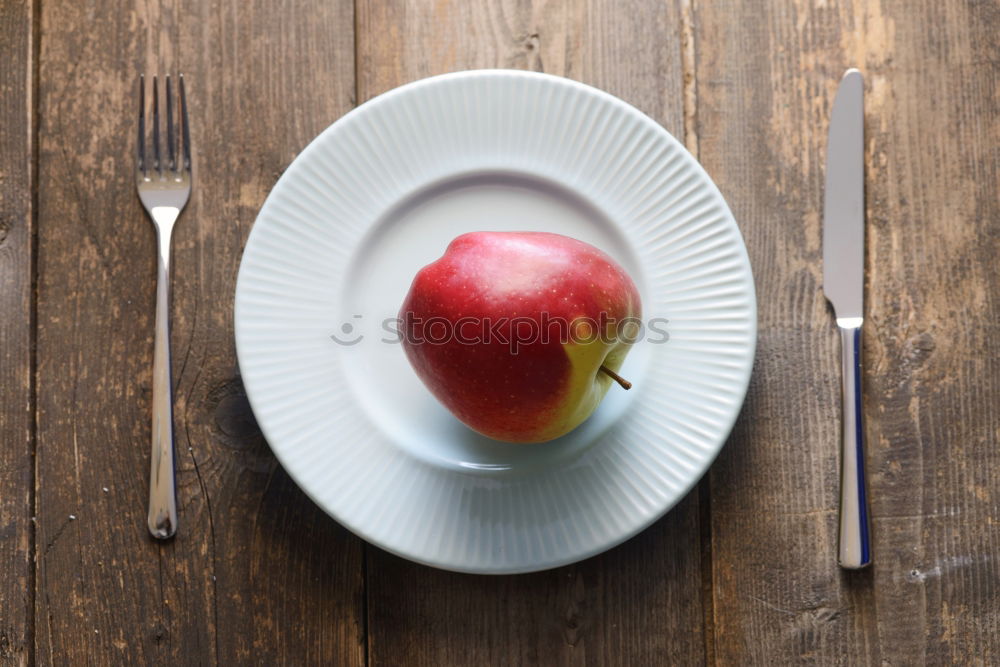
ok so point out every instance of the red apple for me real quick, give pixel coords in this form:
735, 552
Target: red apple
520, 334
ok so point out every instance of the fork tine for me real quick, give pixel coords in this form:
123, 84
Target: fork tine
140, 145
156, 129
185, 130
171, 146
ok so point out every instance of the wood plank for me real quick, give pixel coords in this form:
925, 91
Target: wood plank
766, 78
16, 463
639, 603
257, 573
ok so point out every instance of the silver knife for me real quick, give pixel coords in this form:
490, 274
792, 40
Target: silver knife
843, 284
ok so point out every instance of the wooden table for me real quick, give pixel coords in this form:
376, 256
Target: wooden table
741, 572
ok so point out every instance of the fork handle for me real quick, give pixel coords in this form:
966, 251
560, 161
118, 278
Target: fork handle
855, 529
162, 519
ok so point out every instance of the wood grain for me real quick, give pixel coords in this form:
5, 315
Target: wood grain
640, 603
16, 408
766, 79
257, 573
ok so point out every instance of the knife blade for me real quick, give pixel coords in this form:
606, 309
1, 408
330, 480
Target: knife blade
843, 285
844, 203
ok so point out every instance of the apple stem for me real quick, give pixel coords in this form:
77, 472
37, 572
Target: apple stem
617, 378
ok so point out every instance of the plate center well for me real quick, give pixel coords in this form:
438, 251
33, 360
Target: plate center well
415, 232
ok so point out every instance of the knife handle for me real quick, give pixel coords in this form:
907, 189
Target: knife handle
855, 528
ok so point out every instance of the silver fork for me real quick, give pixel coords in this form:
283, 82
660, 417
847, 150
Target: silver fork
164, 193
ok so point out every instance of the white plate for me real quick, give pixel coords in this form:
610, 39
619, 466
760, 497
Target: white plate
378, 195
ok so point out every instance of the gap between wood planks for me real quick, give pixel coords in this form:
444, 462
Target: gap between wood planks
689, 62
35, 53
365, 601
